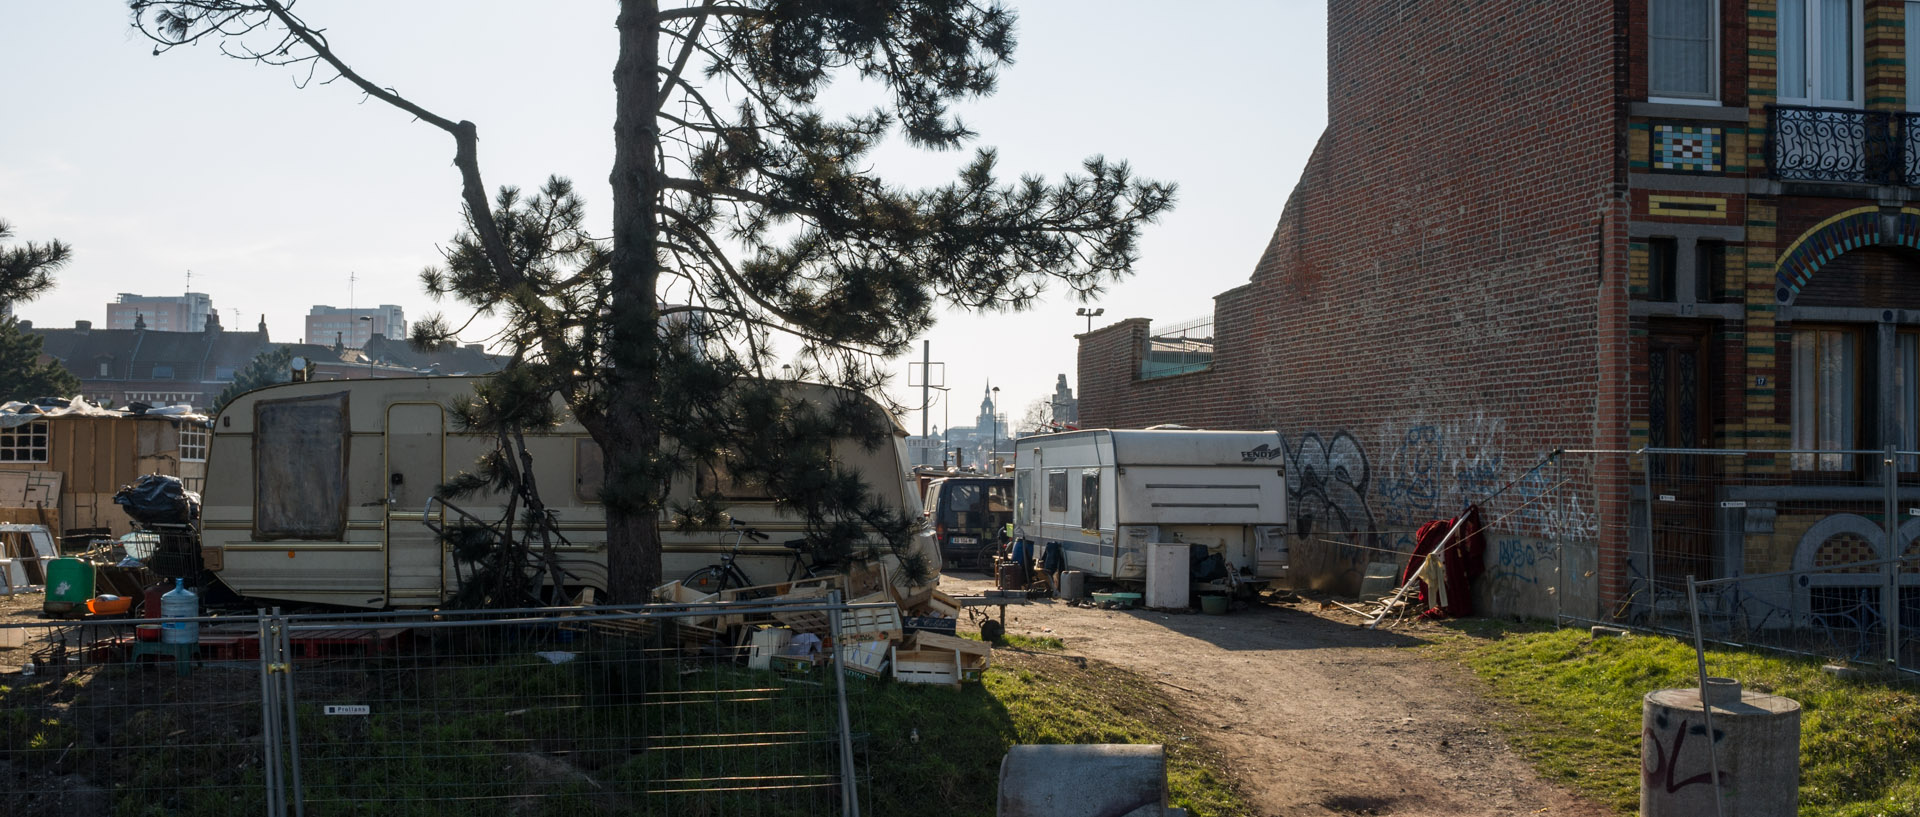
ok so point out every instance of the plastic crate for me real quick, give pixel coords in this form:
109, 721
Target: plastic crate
930, 624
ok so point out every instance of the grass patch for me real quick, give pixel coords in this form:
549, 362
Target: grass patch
467, 728
1581, 699
1030, 643
1025, 698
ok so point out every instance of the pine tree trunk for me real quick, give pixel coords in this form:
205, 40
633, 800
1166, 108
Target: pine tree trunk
631, 432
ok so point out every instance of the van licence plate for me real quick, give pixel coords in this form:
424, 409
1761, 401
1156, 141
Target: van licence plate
965, 540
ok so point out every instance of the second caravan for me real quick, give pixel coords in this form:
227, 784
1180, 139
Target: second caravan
1102, 496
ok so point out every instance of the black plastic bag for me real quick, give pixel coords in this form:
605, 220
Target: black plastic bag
1205, 566
157, 499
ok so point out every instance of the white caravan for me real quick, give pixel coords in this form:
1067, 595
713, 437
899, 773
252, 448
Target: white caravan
1105, 495
318, 492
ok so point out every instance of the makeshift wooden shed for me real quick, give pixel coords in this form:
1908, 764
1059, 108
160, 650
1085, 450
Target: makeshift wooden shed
61, 465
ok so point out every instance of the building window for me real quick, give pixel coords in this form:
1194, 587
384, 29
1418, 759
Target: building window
1820, 43
193, 444
1710, 272
1683, 49
163, 372
103, 368
1905, 391
24, 443
1913, 46
1825, 398
1663, 256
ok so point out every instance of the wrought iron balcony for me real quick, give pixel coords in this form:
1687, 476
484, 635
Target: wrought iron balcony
1843, 145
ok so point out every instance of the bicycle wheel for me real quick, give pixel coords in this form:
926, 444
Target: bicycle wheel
707, 580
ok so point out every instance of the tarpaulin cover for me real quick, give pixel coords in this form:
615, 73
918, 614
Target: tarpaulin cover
158, 499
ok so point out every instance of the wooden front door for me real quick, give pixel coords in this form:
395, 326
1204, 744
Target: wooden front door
1679, 416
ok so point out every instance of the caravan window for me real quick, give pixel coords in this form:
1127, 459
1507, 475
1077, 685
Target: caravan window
589, 470
1022, 482
1057, 492
1090, 499
718, 479
300, 467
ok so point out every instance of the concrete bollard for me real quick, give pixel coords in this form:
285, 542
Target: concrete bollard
1084, 780
1757, 741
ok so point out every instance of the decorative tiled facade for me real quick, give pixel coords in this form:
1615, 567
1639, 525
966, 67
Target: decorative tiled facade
1710, 207
1851, 230
1688, 149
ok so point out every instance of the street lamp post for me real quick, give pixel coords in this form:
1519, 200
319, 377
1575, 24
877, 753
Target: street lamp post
1090, 314
993, 454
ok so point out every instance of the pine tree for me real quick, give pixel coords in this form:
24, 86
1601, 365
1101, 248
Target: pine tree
271, 365
22, 377
26, 272
745, 221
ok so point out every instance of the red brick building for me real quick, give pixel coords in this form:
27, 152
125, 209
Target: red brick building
1577, 225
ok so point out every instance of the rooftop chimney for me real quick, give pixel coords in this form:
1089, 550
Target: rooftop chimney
83, 327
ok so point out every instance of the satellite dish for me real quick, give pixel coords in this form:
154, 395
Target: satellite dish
299, 362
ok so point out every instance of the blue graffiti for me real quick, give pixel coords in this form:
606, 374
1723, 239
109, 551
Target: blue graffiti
1415, 479
1516, 560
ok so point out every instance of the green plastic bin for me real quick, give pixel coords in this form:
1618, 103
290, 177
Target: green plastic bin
69, 586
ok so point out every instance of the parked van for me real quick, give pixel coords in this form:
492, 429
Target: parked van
318, 492
969, 516
1104, 495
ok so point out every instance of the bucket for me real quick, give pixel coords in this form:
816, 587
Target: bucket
69, 586
147, 632
1213, 605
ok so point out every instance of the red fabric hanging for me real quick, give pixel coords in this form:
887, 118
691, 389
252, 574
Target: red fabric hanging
1464, 560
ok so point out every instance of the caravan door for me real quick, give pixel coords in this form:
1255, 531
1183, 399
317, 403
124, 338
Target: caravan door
416, 462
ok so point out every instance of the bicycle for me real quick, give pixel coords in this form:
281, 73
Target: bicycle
728, 575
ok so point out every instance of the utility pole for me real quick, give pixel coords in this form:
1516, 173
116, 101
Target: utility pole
926, 392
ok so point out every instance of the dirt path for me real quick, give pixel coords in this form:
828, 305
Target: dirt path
1316, 716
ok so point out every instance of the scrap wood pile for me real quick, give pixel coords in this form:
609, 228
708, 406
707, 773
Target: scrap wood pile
910, 634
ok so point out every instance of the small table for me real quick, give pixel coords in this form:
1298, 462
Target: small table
995, 598
182, 654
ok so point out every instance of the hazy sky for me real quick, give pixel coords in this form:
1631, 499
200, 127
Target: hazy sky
274, 195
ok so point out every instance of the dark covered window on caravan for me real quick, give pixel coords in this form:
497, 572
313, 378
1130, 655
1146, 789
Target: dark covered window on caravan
1057, 492
300, 467
1090, 500
589, 470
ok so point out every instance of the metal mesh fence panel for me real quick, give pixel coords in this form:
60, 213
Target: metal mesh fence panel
1811, 552
96, 721
606, 712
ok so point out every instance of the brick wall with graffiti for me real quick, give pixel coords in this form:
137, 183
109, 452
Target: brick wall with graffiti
1441, 304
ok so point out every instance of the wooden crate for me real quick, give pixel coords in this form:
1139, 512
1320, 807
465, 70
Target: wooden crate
815, 588
677, 593
764, 644
942, 606
931, 658
867, 658
877, 624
